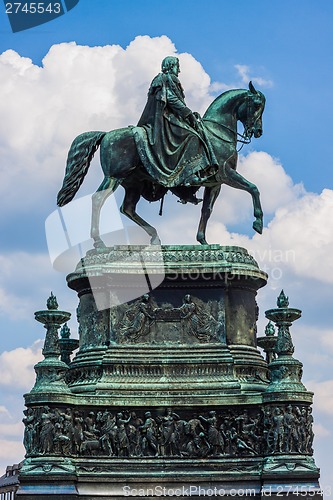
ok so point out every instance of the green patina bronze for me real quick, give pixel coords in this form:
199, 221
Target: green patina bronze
286, 371
170, 149
67, 345
171, 140
168, 387
51, 370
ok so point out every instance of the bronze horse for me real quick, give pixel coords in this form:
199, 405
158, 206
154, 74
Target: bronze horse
121, 164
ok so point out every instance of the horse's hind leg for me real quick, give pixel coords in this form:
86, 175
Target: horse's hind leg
128, 208
236, 180
108, 186
210, 195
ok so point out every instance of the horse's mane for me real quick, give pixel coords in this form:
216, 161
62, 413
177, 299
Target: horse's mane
223, 100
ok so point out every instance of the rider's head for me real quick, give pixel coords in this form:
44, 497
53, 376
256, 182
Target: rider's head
170, 64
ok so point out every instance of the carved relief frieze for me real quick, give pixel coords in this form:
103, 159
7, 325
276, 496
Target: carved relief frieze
144, 321
262, 431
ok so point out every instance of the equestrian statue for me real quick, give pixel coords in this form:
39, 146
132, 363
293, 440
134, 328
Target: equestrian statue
171, 149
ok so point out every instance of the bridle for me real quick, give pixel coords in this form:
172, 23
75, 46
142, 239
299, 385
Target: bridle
242, 138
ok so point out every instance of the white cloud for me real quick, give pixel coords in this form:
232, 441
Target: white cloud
10, 452
323, 395
300, 221
78, 88
105, 87
305, 226
245, 73
82, 88
26, 281
11, 440
288, 251
275, 185
233, 206
327, 340
300, 232
16, 366
9, 305
3, 411
197, 87
320, 431
312, 346
276, 189
11, 430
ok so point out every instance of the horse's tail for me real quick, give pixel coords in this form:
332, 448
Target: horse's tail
79, 157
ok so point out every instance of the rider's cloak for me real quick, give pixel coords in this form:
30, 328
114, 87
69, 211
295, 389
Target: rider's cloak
169, 148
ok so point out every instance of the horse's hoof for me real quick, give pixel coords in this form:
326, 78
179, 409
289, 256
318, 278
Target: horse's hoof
258, 226
202, 241
155, 240
99, 243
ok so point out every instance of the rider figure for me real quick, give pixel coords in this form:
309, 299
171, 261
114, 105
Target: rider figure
174, 96
171, 141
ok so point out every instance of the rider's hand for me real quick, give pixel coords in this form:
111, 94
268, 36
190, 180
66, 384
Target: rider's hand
192, 121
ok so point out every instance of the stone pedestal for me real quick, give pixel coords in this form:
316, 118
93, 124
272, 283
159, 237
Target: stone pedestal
168, 394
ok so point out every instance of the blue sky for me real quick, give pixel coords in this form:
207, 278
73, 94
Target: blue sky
296, 35
284, 47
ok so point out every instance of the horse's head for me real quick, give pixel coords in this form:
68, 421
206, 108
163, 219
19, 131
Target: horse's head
250, 112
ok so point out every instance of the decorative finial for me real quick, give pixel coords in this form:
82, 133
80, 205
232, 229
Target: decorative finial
268, 342
52, 303
269, 329
282, 300
65, 332
285, 370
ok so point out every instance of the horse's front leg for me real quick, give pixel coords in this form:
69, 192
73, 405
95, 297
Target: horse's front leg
210, 195
236, 180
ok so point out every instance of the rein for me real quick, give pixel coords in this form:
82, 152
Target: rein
243, 138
